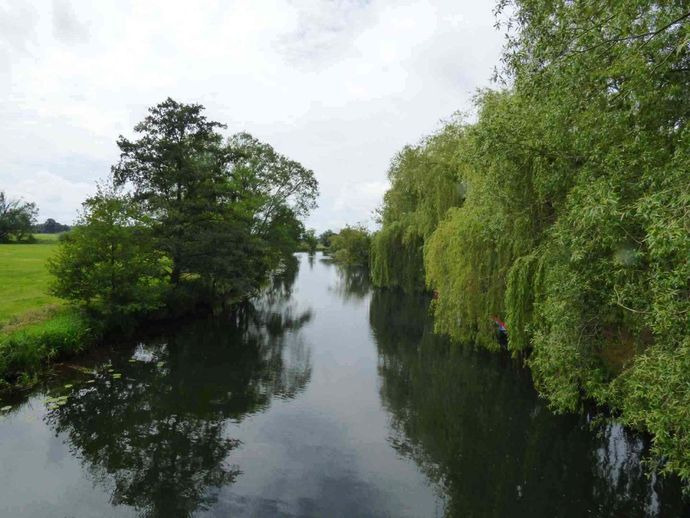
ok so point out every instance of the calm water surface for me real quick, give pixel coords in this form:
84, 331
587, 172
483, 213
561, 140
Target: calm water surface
322, 398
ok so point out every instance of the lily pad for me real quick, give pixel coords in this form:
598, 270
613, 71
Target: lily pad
132, 360
90, 381
160, 364
69, 385
117, 376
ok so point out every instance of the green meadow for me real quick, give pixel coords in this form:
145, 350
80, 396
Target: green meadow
24, 278
35, 327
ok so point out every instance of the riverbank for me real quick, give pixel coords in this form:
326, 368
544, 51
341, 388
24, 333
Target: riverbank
35, 327
25, 279
26, 349
325, 398
38, 330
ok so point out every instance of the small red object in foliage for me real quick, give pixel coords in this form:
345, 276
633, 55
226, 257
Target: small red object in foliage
499, 322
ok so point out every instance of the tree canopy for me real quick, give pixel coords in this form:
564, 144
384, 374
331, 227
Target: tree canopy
570, 216
16, 219
50, 226
351, 246
212, 216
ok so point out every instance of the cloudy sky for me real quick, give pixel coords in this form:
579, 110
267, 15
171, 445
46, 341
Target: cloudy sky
338, 85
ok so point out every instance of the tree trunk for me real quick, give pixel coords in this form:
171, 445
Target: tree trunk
175, 274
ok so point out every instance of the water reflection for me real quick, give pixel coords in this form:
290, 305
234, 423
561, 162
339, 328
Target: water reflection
474, 425
390, 421
353, 283
157, 430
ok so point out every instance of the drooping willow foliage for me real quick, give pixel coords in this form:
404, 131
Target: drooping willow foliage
573, 222
426, 182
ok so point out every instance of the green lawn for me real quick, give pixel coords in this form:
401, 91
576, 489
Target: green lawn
24, 279
46, 239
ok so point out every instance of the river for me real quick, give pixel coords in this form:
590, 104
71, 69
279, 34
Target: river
322, 398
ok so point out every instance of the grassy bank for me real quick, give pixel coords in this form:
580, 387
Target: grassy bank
24, 278
35, 327
27, 348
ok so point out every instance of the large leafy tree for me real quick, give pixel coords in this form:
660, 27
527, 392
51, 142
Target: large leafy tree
612, 82
16, 219
175, 169
425, 182
50, 226
217, 215
224, 212
574, 222
274, 192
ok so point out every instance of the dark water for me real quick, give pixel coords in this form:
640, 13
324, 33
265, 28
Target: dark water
322, 399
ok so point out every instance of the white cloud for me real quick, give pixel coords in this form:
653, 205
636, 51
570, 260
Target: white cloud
358, 201
55, 196
339, 85
66, 26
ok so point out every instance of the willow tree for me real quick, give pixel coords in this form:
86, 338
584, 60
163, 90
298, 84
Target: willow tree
425, 182
575, 218
614, 272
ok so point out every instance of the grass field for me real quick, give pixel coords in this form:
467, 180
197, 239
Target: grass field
35, 327
24, 279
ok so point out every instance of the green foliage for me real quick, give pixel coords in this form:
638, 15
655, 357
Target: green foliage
50, 227
204, 222
108, 262
16, 219
25, 351
574, 222
351, 246
655, 395
325, 238
309, 241
175, 169
224, 213
397, 259
425, 183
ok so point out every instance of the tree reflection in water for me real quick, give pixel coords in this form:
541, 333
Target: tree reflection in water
353, 283
473, 423
159, 436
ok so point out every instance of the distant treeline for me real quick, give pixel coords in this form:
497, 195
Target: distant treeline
18, 221
564, 209
50, 226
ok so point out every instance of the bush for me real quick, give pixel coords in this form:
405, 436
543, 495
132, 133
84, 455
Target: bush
25, 351
351, 246
107, 263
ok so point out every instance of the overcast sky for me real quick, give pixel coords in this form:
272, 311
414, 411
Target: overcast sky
338, 85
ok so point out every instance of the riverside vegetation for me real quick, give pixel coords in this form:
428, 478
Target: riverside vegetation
565, 208
189, 221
